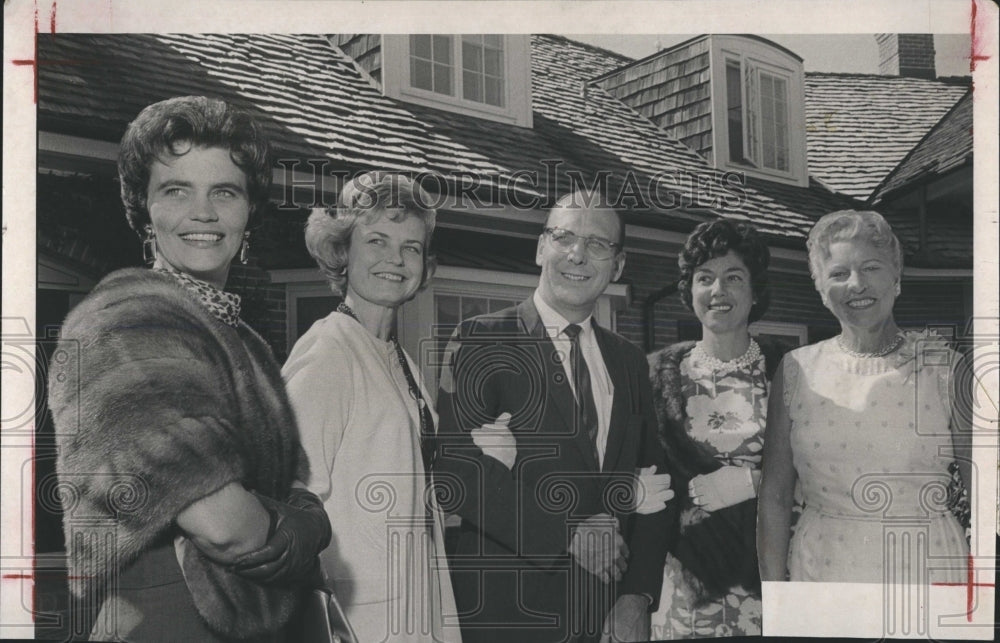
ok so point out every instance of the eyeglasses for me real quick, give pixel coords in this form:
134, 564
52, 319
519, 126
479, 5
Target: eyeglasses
597, 247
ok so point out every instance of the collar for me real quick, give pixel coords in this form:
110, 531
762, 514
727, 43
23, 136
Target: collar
554, 322
224, 306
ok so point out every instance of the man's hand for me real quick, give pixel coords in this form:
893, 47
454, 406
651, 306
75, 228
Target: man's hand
597, 546
652, 491
628, 620
497, 441
724, 487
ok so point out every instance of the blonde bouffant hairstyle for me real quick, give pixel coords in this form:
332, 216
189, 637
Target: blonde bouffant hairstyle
366, 197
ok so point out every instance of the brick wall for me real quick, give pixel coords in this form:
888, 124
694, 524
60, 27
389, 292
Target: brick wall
263, 304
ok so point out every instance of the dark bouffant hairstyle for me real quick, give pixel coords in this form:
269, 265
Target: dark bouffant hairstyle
175, 126
714, 239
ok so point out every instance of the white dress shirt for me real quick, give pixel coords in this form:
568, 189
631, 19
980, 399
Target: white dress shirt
603, 389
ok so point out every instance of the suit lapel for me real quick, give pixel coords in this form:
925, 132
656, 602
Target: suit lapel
621, 403
558, 391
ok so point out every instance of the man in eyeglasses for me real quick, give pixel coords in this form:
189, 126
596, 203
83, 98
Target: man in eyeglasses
545, 417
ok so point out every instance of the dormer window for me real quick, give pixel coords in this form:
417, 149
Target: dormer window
482, 75
736, 100
759, 109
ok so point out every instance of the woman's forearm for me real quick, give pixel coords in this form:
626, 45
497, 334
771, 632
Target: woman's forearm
774, 522
777, 487
226, 524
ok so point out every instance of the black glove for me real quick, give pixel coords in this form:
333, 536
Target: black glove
299, 531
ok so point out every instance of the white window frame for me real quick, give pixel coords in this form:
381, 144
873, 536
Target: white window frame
795, 332
755, 57
517, 80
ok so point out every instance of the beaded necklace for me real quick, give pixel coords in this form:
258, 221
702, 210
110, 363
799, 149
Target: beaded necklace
713, 363
882, 352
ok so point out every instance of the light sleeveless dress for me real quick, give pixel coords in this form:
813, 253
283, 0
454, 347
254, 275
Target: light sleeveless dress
871, 444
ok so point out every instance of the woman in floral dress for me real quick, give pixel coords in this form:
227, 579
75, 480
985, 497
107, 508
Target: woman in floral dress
711, 403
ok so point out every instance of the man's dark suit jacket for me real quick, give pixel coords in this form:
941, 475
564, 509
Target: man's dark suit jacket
512, 573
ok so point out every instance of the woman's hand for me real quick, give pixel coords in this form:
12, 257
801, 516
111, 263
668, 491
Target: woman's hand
724, 487
300, 530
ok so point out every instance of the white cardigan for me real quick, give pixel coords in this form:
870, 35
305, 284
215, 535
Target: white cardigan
360, 430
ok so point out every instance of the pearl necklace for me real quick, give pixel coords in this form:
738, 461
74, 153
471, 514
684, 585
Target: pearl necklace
897, 340
713, 363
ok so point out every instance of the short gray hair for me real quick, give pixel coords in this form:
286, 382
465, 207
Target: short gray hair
848, 225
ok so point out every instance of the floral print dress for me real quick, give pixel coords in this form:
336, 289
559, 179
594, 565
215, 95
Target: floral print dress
726, 411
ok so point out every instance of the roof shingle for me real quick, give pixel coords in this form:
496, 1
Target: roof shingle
860, 126
947, 147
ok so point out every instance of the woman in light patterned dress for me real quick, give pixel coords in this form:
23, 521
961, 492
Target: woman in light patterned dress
864, 421
711, 403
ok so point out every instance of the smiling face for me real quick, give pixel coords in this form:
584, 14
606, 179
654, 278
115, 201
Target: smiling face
385, 261
571, 281
198, 207
858, 283
722, 294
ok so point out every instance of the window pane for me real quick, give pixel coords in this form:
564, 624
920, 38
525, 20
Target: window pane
472, 57
500, 304
493, 62
310, 309
472, 86
420, 74
494, 41
420, 45
442, 49
446, 312
494, 92
472, 306
774, 122
442, 79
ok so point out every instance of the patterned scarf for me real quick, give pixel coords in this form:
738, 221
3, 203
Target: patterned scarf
224, 306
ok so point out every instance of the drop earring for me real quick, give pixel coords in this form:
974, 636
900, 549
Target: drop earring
148, 245
898, 289
245, 248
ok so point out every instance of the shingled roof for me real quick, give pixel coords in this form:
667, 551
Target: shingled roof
317, 104
860, 126
945, 148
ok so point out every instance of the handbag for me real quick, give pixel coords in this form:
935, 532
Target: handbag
321, 619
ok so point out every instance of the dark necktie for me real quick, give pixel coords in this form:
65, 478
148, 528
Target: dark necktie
584, 390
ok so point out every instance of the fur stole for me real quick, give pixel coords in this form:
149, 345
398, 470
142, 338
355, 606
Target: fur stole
156, 404
719, 550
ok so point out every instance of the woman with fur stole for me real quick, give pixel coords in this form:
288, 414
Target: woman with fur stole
711, 402
178, 450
